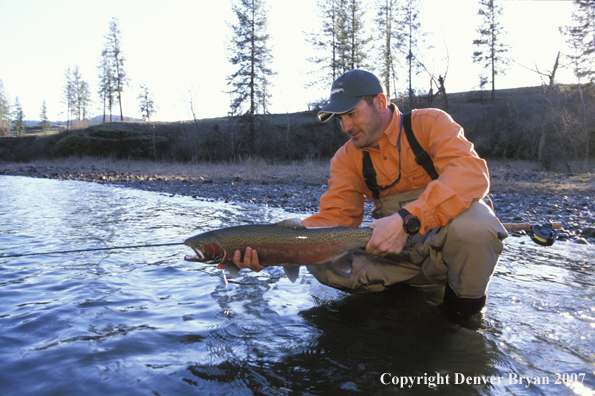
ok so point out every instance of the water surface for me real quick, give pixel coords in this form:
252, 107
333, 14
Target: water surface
145, 322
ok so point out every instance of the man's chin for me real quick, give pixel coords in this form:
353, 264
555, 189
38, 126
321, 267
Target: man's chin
358, 143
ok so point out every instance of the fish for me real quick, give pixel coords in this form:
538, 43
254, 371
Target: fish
287, 243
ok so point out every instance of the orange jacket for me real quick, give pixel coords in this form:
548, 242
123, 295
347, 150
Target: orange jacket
463, 175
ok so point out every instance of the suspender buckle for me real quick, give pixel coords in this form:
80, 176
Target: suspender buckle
422, 158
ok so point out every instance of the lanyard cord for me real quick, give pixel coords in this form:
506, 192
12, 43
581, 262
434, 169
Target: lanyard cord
380, 188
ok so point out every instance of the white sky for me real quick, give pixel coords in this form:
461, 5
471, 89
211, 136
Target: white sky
181, 47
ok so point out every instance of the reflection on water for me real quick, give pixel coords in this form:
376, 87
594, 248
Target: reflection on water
144, 321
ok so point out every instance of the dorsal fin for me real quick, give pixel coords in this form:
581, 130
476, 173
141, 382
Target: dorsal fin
296, 222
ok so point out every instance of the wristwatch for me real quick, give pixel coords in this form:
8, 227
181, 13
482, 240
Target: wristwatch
411, 223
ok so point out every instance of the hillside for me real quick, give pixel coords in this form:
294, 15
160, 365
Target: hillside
511, 127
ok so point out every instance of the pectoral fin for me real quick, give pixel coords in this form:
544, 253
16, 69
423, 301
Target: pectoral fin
292, 272
343, 262
231, 267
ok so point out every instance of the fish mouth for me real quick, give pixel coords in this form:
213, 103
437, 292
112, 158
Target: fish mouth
195, 257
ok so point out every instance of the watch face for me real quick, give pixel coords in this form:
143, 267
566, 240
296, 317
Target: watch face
412, 225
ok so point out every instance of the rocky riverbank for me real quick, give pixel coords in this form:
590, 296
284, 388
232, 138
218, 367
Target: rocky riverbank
544, 198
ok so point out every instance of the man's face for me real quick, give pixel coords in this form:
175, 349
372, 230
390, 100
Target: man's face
363, 124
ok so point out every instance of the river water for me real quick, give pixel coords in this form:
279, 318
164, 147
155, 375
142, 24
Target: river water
145, 322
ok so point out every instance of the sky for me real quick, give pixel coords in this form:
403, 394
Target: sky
181, 50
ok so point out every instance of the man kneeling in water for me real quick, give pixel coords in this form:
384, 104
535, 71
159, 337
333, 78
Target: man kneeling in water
452, 236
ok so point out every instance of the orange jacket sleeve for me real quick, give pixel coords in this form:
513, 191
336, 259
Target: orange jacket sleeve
463, 176
343, 203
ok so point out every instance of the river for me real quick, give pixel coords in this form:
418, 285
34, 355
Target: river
146, 322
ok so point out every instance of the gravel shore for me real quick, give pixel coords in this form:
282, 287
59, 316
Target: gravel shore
573, 207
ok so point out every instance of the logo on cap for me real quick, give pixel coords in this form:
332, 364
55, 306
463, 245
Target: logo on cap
337, 90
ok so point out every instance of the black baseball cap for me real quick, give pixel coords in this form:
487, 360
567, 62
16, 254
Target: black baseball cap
348, 90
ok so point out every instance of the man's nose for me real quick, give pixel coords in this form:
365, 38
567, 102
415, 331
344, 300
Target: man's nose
346, 126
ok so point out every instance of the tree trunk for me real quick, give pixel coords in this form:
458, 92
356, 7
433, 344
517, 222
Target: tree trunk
442, 90
548, 95
585, 126
120, 102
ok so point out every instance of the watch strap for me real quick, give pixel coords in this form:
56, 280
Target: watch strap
403, 213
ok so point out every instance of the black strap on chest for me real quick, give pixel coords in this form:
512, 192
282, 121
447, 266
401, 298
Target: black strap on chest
370, 176
421, 157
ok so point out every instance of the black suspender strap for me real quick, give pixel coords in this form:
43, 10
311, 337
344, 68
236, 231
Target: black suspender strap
421, 156
370, 175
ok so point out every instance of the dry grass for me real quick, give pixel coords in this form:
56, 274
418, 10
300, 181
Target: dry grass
527, 177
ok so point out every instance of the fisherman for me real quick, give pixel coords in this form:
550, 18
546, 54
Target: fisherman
432, 226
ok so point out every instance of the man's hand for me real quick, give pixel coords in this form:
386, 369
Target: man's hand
250, 260
388, 237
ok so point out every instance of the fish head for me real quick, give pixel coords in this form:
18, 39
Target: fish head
207, 249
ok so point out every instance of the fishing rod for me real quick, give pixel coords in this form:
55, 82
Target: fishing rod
90, 250
544, 235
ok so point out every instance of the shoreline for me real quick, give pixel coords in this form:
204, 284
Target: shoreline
546, 197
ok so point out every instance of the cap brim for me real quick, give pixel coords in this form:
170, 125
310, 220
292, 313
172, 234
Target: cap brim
337, 106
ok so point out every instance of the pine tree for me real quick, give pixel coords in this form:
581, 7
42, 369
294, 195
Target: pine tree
68, 95
409, 32
581, 41
147, 105
250, 53
357, 41
76, 95
113, 60
81, 98
491, 48
328, 41
84, 100
342, 40
45, 122
18, 118
390, 40
106, 85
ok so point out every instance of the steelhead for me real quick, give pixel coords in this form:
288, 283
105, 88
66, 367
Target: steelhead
287, 243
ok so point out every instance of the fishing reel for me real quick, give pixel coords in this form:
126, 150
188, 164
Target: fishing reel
544, 235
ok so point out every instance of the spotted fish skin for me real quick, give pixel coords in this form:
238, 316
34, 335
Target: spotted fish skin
287, 243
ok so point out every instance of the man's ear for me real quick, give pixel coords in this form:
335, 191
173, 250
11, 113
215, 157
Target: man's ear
381, 103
